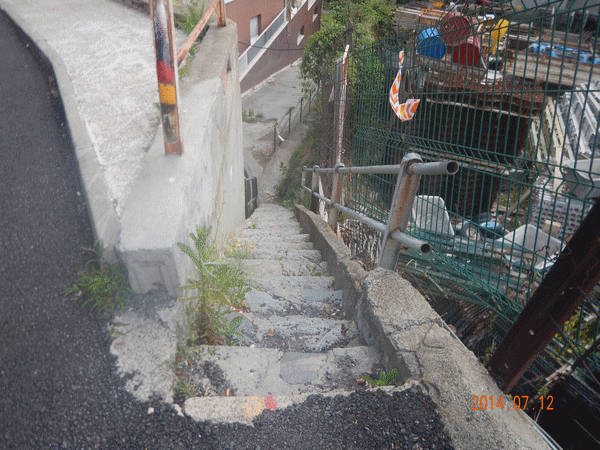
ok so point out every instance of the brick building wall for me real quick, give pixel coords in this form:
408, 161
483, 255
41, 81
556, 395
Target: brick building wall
287, 47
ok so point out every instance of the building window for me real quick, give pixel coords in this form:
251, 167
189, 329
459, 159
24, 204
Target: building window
316, 13
300, 35
254, 29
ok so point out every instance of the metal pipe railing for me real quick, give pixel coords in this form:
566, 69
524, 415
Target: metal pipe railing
219, 6
409, 173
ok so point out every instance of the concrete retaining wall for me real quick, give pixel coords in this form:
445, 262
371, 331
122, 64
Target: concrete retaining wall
395, 317
203, 187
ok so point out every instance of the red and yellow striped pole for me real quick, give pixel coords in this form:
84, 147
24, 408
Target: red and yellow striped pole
161, 12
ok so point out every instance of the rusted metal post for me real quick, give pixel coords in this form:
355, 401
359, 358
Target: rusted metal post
222, 21
569, 280
404, 196
409, 175
274, 138
314, 201
290, 121
336, 195
161, 12
301, 98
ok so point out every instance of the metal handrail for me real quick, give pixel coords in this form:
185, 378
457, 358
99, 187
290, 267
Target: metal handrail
291, 115
409, 173
219, 6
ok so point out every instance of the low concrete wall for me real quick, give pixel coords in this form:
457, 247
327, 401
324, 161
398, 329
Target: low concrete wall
203, 187
395, 317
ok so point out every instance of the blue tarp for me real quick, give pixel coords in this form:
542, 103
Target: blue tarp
558, 51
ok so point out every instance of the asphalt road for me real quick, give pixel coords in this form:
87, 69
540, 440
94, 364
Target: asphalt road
58, 386
58, 382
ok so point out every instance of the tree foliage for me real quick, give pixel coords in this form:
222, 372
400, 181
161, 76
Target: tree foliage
369, 19
322, 50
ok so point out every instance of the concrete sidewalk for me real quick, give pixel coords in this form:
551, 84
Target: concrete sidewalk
271, 100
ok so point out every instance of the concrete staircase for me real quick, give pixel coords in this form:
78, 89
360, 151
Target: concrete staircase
295, 339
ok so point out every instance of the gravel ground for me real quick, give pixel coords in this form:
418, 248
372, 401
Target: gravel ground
58, 382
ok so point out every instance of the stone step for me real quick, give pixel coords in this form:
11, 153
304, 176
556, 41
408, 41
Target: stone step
265, 371
280, 285
268, 245
292, 342
266, 209
262, 268
305, 255
307, 332
277, 229
299, 299
266, 239
244, 410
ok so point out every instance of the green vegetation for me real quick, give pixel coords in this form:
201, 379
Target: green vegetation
313, 271
101, 285
248, 116
185, 388
219, 289
190, 17
385, 379
239, 249
288, 190
187, 21
371, 20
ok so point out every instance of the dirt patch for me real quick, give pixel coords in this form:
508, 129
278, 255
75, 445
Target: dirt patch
262, 154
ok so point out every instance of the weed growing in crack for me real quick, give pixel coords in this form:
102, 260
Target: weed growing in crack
101, 285
313, 271
218, 290
185, 388
385, 379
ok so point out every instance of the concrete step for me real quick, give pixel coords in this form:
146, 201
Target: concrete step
261, 268
302, 255
265, 371
277, 229
293, 341
280, 285
266, 239
244, 409
301, 333
268, 245
288, 301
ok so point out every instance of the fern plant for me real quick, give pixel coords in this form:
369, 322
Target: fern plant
218, 289
385, 379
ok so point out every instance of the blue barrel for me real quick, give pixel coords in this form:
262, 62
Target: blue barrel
430, 44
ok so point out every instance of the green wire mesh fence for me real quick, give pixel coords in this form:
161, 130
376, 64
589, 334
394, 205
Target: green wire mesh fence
512, 93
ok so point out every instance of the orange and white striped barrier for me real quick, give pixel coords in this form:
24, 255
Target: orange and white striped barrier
405, 111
